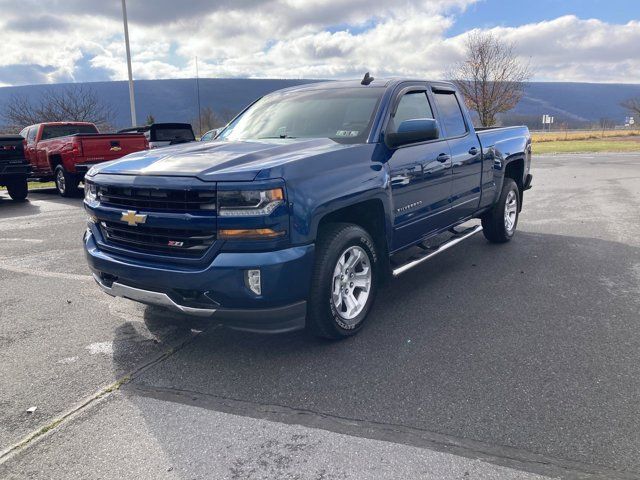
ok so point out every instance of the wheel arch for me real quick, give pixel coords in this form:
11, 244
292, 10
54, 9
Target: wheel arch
515, 170
368, 214
54, 160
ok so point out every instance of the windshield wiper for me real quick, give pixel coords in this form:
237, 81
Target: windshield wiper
275, 136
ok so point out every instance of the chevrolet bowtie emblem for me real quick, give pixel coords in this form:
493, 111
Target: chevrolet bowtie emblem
115, 149
132, 218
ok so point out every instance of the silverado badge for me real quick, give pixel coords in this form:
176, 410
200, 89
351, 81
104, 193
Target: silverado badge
132, 218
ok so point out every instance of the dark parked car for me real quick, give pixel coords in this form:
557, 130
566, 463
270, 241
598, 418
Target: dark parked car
304, 204
210, 135
14, 167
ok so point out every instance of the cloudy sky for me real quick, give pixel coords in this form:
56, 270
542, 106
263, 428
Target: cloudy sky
52, 41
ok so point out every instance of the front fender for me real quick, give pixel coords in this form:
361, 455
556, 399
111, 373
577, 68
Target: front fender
324, 184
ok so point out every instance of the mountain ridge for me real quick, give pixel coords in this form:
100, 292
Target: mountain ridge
578, 104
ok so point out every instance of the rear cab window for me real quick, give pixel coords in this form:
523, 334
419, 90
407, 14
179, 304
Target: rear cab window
451, 117
55, 131
172, 133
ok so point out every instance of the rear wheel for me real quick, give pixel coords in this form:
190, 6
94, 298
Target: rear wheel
344, 281
18, 189
499, 224
66, 183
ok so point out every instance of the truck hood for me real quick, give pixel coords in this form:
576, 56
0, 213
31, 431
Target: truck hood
214, 161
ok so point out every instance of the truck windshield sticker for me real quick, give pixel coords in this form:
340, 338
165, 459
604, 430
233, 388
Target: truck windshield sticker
347, 133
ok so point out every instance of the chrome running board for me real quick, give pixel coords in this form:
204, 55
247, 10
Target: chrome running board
150, 297
430, 253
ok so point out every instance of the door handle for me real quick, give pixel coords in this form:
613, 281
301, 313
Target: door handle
443, 157
399, 180
473, 151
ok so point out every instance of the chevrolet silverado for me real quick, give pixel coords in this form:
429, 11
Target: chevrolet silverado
304, 204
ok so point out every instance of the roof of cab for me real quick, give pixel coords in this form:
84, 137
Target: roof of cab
376, 83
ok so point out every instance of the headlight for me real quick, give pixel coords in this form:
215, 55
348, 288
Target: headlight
236, 203
90, 193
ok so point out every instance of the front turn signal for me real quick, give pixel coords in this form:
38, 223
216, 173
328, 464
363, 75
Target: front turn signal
253, 234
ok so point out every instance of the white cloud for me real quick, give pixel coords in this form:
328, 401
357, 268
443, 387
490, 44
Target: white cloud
291, 39
569, 48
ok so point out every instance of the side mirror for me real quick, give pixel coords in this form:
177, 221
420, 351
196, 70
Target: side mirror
413, 131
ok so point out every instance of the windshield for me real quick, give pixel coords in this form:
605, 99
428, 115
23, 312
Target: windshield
343, 115
54, 131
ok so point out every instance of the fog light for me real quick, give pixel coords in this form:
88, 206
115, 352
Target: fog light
252, 278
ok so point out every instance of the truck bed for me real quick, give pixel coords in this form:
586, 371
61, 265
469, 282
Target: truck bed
107, 146
489, 136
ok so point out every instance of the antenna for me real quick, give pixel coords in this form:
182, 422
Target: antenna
198, 94
367, 79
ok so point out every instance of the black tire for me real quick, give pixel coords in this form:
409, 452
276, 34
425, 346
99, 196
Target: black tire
18, 189
494, 224
323, 318
66, 183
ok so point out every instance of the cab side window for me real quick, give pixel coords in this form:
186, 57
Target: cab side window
31, 135
450, 114
412, 105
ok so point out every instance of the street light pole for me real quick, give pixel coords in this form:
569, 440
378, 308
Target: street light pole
132, 100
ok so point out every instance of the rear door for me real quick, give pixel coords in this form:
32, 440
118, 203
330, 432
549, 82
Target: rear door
466, 154
420, 173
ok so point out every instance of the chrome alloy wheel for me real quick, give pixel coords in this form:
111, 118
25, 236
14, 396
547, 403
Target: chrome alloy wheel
510, 211
351, 284
62, 187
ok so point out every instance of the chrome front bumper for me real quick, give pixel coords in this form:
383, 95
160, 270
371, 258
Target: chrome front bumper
151, 298
267, 320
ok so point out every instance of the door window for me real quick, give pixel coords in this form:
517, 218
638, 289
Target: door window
412, 105
451, 116
31, 135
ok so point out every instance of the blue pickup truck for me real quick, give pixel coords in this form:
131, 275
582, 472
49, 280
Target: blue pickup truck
304, 204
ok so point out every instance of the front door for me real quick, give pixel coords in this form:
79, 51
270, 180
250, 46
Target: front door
420, 175
30, 147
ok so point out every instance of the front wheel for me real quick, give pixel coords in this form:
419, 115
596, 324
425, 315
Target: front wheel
18, 189
344, 281
66, 183
499, 224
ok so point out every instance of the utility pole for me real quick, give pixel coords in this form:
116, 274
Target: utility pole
132, 99
198, 95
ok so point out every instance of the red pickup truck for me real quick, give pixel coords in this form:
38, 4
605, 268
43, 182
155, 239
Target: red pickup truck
64, 151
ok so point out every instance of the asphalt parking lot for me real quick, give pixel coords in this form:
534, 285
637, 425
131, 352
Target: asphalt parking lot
507, 361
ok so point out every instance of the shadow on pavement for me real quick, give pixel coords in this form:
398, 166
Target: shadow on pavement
532, 345
9, 208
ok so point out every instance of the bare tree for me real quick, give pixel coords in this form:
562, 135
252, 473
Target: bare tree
491, 77
210, 119
632, 105
71, 103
